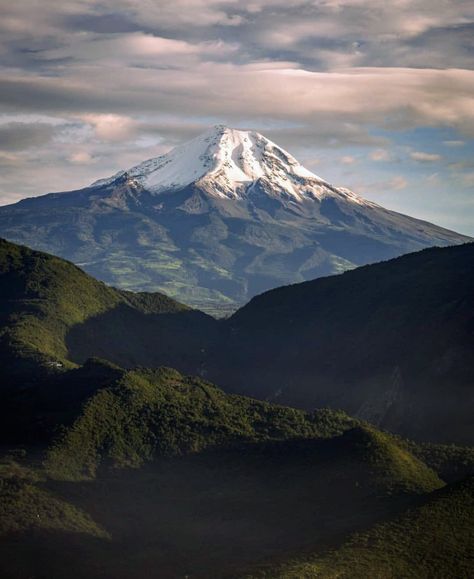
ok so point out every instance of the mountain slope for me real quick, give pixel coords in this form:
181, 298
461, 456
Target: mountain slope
214, 222
391, 342
44, 297
25, 505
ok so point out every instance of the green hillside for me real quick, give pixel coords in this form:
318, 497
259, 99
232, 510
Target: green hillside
26, 505
451, 462
215, 512
43, 298
394, 468
148, 469
150, 413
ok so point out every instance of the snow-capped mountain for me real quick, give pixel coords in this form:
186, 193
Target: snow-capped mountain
225, 162
215, 221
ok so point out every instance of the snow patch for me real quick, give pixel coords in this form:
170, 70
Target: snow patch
227, 163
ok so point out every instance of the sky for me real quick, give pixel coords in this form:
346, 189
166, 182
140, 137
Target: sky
371, 95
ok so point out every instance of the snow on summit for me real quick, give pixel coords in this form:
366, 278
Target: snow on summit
226, 163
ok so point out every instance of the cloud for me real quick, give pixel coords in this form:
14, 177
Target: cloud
380, 155
423, 157
324, 132
136, 49
456, 143
348, 160
8, 160
468, 179
16, 136
316, 33
81, 158
110, 127
312, 162
462, 164
378, 189
397, 183
252, 60
386, 98
433, 179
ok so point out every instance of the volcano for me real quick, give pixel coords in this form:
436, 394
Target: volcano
216, 221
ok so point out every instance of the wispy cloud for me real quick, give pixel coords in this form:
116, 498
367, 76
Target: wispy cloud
348, 160
380, 155
456, 143
398, 182
423, 157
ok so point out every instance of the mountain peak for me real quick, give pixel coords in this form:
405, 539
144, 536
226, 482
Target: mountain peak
226, 162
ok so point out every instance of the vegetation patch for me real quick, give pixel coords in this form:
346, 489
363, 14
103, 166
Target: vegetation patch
150, 413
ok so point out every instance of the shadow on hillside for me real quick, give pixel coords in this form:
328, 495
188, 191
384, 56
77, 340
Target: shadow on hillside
130, 338
212, 514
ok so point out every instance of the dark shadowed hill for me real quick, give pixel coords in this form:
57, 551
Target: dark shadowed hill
112, 470
392, 343
183, 478
435, 540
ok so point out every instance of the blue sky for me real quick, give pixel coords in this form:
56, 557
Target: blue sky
373, 96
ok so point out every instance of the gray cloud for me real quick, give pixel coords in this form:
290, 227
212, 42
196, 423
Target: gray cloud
16, 136
390, 98
325, 132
